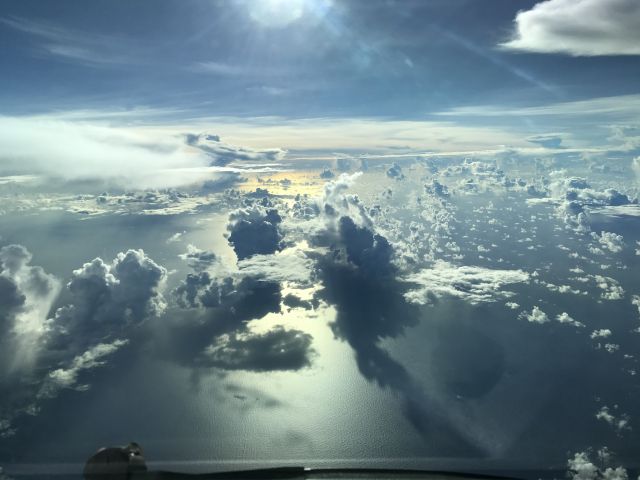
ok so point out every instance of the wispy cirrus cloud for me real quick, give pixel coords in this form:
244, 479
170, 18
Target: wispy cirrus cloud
624, 106
90, 49
226, 69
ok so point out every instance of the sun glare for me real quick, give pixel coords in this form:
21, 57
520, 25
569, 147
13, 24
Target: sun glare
280, 13
276, 13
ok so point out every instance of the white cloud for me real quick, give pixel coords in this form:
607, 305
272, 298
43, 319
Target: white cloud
79, 151
224, 69
582, 468
564, 317
618, 473
62, 378
392, 137
575, 197
609, 240
470, 283
619, 421
579, 28
176, 237
611, 288
602, 333
103, 146
289, 265
610, 347
535, 316
635, 300
623, 106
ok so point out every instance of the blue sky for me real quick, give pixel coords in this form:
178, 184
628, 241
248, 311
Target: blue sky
404, 59
482, 73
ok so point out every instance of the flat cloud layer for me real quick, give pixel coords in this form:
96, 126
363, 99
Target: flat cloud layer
473, 284
79, 151
579, 28
50, 146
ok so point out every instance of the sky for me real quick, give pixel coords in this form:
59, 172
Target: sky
396, 233
456, 75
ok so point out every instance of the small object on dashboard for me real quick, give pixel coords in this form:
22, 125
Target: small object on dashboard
115, 463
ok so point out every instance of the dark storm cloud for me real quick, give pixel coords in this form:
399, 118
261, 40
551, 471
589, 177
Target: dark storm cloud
277, 349
293, 301
188, 294
222, 154
240, 300
255, 230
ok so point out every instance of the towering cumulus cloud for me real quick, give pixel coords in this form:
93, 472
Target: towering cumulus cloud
50, 354
254, 230
108, 298
360, 280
